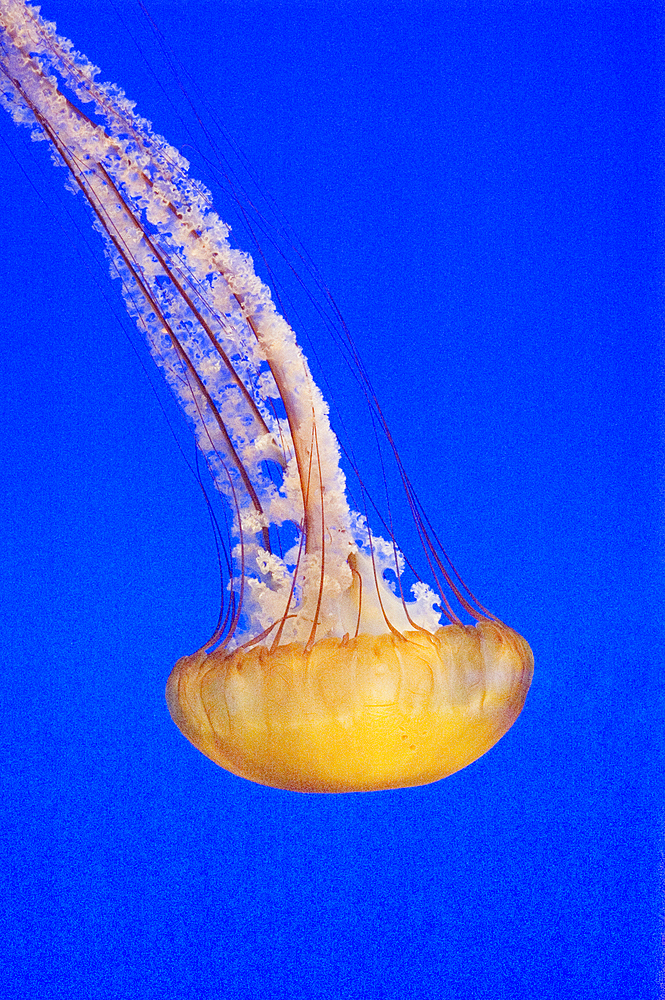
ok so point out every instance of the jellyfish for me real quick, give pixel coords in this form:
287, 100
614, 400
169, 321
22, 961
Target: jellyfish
324, 674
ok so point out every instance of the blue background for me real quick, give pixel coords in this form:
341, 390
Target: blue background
479, 185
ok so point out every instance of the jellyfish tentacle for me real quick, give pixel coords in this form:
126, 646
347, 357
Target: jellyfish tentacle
321, 548
84, 177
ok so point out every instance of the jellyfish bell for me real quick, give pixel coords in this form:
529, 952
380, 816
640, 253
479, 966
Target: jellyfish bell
324, 674
367, 713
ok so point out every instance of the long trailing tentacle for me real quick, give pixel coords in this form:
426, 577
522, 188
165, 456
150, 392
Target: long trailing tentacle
232, 363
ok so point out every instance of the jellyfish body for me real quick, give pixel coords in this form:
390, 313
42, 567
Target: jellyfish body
362, 714
325, 676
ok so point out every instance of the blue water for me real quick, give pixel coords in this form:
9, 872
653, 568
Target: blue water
478, 184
